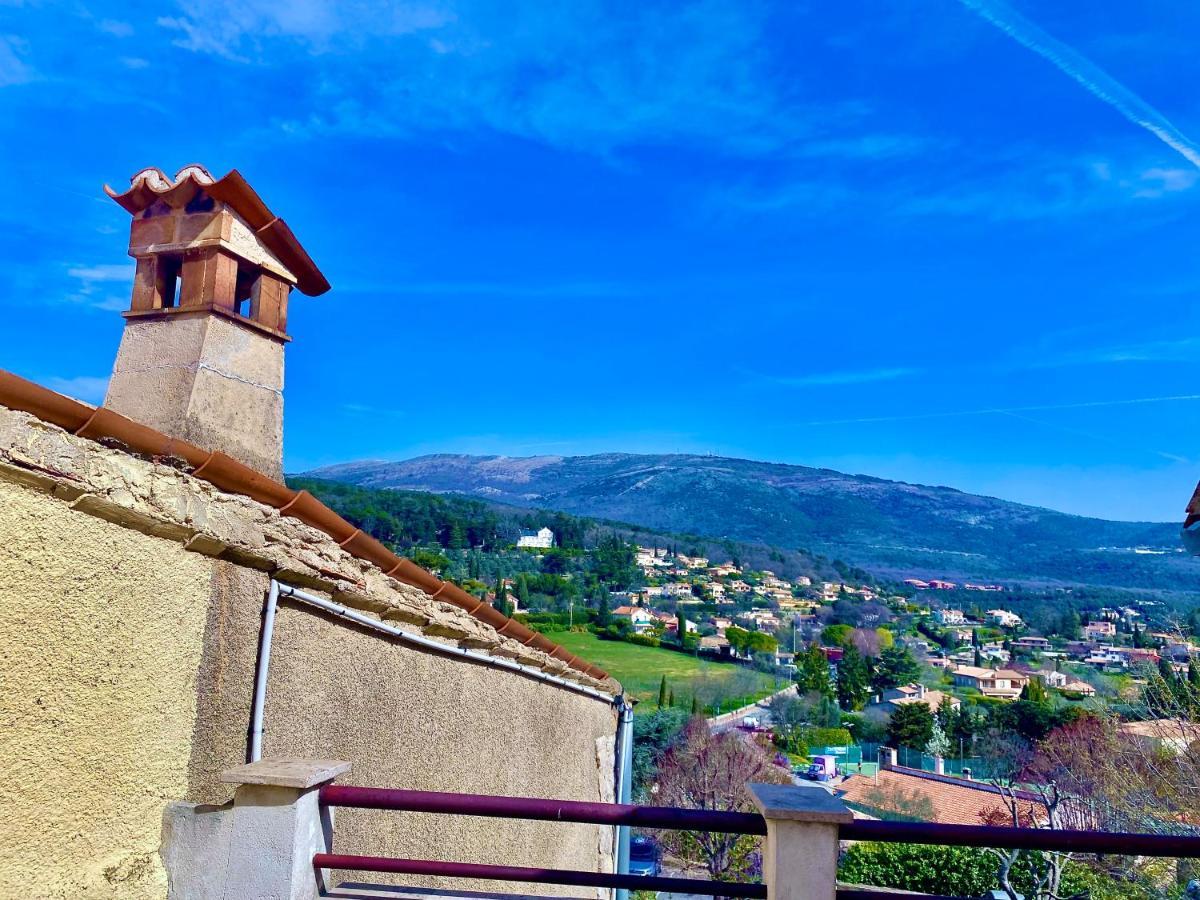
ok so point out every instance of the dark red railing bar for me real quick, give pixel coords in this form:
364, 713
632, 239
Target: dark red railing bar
537, 876
876, 894
545, 810
1022, 838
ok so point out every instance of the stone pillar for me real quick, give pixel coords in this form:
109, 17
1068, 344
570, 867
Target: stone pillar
277, 827
887, 757
262, 844
801, 851
939, 765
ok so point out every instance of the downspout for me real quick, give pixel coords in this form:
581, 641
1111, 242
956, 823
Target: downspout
624, 784
260, 677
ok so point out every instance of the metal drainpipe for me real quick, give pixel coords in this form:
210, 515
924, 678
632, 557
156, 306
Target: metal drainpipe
260, 677
625, 785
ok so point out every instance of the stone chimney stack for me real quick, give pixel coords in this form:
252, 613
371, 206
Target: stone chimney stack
201, 357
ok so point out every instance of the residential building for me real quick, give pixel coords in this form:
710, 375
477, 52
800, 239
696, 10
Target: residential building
1003, 683
924, 796
917, 583
542, 539
939, 585
949, 616
1031, 642
1079, 687
1101, 630
639, 618
1004, 618
894, 698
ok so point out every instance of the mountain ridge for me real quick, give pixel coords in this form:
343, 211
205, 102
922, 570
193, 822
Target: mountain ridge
891, 526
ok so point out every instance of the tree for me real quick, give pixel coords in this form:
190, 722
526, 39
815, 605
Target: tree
695, 705
603, 608
523, 591
812, 672
978, 659
853, 680
662, 693
896, 666
938, 744
1035, 691
911, 726
502, 603
710, 771
671, 697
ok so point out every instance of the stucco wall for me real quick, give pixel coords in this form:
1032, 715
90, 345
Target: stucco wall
127, 671
411, 719
103, 636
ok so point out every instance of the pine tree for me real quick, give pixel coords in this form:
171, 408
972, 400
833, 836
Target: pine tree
812, 672
662, 693
502, 603
853, 680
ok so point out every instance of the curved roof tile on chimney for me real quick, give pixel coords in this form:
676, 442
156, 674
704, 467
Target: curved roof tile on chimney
152, 185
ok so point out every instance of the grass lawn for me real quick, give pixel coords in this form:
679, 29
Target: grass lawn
640, 669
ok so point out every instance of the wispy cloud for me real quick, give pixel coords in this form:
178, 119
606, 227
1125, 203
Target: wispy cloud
83, 387
528, 290
98, 285
13, 68
1078, 67
574, 76
1005, 410
818, 379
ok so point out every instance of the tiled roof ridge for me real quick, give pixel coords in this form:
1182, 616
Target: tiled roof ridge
961, 782
227, 474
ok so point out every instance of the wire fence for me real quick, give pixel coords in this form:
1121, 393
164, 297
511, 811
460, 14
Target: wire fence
952, 763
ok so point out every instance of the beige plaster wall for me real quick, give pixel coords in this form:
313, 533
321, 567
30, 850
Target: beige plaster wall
103, 637
427, 722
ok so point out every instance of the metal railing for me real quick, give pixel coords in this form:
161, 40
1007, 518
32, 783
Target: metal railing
664, 817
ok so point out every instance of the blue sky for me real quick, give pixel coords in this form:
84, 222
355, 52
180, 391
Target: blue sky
947, 241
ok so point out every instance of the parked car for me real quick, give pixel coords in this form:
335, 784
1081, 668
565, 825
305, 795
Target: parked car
644, 857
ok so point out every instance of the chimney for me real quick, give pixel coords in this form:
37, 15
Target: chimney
920, 691
201, 357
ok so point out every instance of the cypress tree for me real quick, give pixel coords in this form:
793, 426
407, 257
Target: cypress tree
695, 705
662, 692
671, 697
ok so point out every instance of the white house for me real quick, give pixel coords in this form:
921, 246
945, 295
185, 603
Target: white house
641, 619
1004, 618
542, 540
949, 616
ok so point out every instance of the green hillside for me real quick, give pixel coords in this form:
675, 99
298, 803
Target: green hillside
640, 670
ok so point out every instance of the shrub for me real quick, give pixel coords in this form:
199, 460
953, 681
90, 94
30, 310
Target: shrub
952, 871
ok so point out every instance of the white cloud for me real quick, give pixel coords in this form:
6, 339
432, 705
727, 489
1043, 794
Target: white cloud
115, 27
104, 286
573, 76
89, 388
13, 69
817, 379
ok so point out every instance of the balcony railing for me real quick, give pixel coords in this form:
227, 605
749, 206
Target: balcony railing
803, 829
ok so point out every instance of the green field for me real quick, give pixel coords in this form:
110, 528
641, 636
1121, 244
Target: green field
718, 685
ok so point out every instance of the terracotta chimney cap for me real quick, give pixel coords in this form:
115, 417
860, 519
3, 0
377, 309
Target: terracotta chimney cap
152, 185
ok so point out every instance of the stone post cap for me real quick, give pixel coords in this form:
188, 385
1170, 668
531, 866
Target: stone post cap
799, 804
292, 773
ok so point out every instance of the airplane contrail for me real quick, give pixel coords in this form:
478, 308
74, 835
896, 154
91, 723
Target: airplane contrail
1098, 82
1006, 410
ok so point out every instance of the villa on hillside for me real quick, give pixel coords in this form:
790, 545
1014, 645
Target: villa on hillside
542, 539
893, 698
1005, 684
